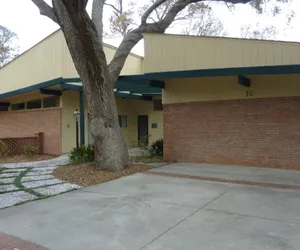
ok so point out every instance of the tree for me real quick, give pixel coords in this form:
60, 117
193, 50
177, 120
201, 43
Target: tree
262, 33
8, 48
197, 19
84, 39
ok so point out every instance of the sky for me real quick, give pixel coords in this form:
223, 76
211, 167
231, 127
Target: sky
22, 17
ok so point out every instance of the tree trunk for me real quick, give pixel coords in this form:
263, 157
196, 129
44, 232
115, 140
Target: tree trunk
89, 59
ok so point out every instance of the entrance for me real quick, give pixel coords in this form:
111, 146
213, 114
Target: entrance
143, 129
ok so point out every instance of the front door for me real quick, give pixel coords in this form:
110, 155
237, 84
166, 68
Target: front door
143, 129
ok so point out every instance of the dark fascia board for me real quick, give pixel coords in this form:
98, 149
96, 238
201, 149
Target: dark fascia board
70, 80
261, 70
33, 87
50, 92
123, 95
66, 86
141, 90
258, 70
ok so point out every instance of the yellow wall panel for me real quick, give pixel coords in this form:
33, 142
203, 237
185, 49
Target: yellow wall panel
41, 63
51, 59
129, 107
178, 52
226, 88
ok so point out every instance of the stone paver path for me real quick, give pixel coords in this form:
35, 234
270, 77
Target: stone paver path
22, 182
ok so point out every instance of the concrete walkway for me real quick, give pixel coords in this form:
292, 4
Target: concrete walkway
23, 182
152, 212
235, 173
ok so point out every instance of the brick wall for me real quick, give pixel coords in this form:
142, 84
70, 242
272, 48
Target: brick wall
254, 132
26, 123
16, 145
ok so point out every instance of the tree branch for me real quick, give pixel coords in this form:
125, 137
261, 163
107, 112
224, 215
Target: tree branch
45, 9
110, 5
133, 37
97, 17
151, 9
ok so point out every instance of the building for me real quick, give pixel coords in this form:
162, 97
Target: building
225, 100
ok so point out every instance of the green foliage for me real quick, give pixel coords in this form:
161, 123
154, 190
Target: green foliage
82, 155
157, 148
8, 50
30, 150
3, 148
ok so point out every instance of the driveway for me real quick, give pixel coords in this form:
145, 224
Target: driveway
155, 212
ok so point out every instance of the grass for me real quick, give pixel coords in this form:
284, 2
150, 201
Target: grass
146, 159
18, 184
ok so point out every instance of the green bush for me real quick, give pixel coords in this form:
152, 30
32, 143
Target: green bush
157, 148
3, 148
30, 150
82, 155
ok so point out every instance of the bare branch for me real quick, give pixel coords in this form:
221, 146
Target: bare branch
110, 5
97, 17
45, 9
151, 9
133, 37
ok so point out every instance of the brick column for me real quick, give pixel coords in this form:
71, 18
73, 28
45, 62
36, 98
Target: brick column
40, 142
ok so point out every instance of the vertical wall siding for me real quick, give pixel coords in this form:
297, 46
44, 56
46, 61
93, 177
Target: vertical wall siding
175, 52
51, 59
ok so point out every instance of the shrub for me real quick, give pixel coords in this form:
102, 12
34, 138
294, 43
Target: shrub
3, 148
30, 150
157, 148
82, 155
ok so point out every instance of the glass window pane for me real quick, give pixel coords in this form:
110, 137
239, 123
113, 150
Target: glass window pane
52, 101
123, 121
3, 108
36, 104
18, 106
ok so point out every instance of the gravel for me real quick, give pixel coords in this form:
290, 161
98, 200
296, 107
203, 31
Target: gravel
6, 180
17, 170
9, 187
61, 160
56, 189
37, 178
10, 199
39, 173
43, 169
41, 183
9, 175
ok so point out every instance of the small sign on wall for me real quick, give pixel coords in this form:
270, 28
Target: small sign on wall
154, 125
249, 93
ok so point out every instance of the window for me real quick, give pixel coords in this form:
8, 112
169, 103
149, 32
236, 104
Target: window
123, 121
157, 105
3, 108
52, 101
36, 104
18, 106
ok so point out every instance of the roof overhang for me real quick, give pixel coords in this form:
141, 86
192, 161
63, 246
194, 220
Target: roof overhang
259, 70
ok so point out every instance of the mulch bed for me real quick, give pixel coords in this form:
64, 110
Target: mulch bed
25, 158
86, 174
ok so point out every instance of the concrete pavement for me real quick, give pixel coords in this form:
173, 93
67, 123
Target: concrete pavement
160, 213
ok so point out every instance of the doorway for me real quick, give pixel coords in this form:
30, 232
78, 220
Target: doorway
143, 129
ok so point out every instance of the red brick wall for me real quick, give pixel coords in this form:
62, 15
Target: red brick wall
26, 123
254, 132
